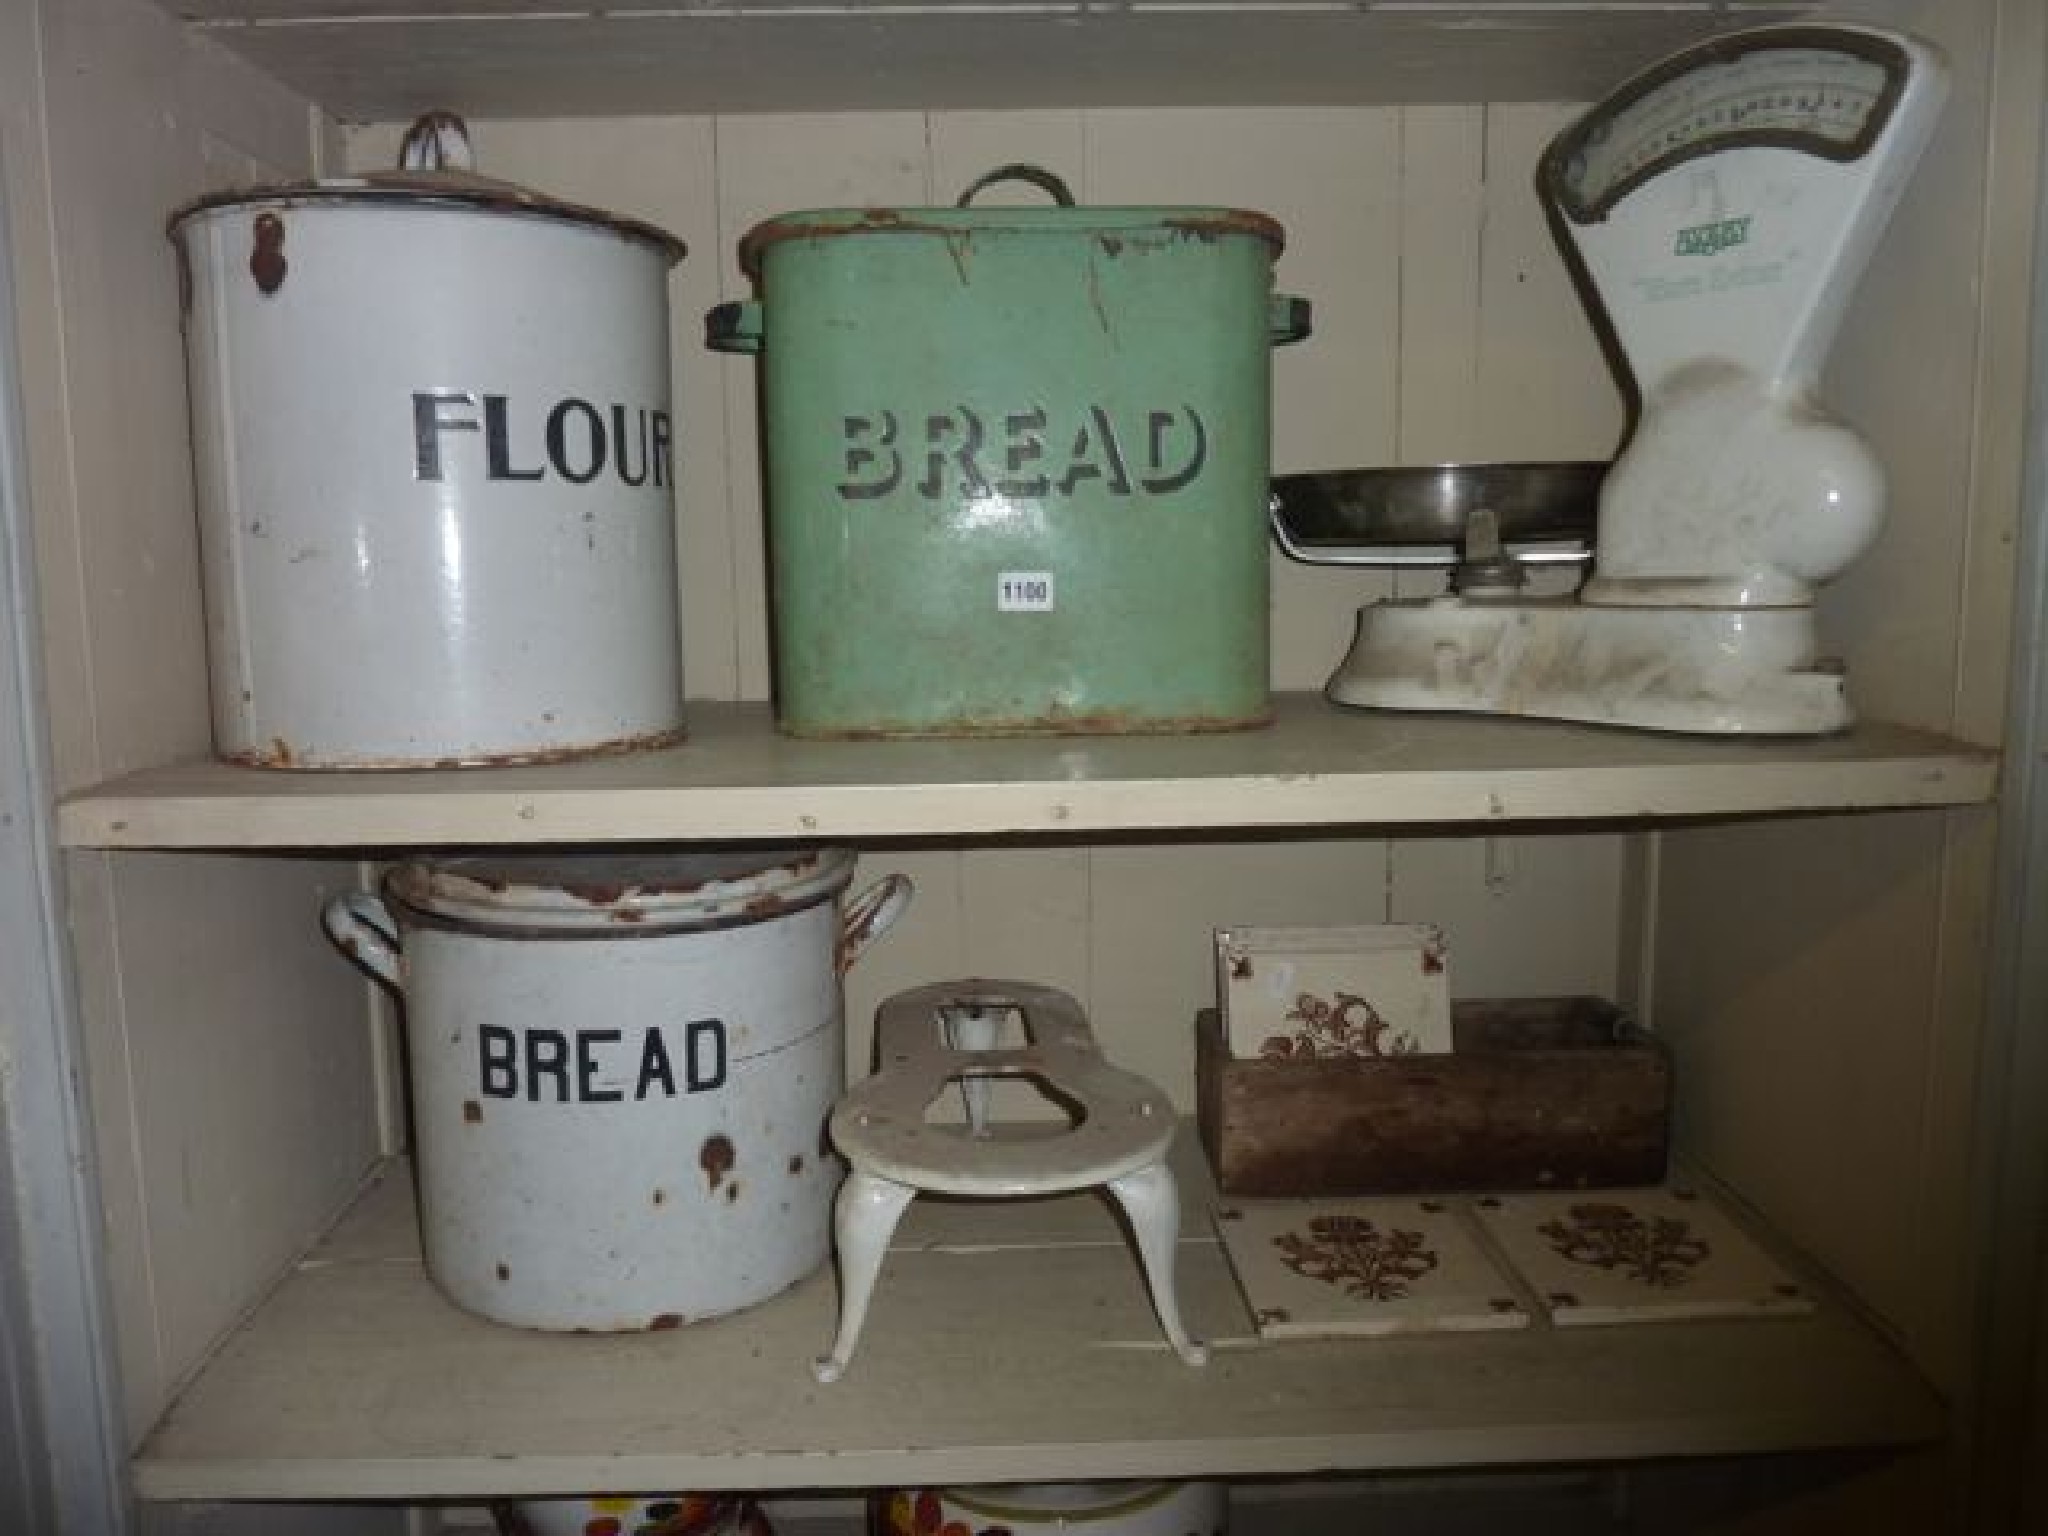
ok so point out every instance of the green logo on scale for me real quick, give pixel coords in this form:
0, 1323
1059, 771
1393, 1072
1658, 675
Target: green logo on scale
1712, 239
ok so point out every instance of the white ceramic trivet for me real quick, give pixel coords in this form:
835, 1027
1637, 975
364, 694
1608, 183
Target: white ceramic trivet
933, 1036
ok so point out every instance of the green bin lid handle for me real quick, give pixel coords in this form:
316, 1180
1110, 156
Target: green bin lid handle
1036, 175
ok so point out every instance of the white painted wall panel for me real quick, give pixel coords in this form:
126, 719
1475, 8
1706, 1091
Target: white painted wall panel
225, 1048
1523, 916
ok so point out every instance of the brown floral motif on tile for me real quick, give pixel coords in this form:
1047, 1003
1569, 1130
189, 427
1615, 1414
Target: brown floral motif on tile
1349, 1026
1356, 1254
1662, 1252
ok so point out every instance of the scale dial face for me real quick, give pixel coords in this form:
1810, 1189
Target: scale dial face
1823, 91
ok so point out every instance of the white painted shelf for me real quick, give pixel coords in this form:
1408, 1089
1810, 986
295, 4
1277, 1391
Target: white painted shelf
1006, 1342
387, 59
736, 779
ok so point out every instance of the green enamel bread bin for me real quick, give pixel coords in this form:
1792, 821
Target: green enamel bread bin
1017, 464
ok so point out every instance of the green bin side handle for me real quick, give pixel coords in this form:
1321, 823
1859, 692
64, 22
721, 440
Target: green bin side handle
1289, 319
734, 327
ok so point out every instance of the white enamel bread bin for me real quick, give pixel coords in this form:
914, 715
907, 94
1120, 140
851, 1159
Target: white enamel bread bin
621, 1071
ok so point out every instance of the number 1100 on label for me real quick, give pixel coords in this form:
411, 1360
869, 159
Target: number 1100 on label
1024, 592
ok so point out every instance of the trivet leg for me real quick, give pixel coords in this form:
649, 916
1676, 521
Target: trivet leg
972, 1027
863, 1217
1152, 1201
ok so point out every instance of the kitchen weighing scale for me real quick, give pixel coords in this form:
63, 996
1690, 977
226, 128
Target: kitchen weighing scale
1723, 205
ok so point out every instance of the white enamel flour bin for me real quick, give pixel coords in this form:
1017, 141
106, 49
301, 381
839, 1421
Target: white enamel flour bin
435, 465
621, 1072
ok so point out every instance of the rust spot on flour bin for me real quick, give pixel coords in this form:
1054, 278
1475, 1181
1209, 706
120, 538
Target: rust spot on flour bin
666, 1321
472, 1112
266, 255
716, 1158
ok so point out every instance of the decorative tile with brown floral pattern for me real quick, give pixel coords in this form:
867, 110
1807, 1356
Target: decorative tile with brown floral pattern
1636, 1255
1317, 1267
1374, 990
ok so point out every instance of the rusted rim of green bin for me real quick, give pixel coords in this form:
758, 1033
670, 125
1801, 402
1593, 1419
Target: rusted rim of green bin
952, 223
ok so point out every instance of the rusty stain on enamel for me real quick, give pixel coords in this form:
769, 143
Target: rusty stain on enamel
716, 1157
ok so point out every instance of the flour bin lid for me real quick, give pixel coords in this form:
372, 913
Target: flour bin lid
435, 171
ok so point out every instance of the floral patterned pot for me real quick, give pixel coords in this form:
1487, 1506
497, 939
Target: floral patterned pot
1035, 1509
633, 1515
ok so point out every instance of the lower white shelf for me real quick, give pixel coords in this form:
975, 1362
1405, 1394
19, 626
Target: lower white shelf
1006, 1342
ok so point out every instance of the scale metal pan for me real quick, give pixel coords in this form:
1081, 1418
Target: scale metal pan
1543, 512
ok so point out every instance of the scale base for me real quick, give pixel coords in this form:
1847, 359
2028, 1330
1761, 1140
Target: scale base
1721, 671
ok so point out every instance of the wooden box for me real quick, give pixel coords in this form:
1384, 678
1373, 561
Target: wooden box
1540, 1093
